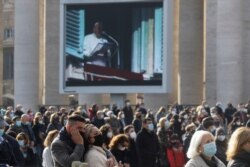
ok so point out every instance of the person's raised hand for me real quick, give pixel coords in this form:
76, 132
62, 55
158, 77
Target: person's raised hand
76, 137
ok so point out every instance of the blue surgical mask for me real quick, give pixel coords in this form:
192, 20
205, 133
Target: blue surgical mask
209, 149
150, 127
21, 143
1, 132
18, 123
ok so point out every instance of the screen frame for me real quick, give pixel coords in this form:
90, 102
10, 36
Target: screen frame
165, 87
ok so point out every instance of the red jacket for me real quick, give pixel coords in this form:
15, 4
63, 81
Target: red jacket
176, 156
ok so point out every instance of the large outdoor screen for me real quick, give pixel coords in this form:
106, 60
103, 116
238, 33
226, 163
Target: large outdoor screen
113, 46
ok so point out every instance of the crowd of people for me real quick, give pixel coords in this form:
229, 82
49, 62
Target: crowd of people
178, 136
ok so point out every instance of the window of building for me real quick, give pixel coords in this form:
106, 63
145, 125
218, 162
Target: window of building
8, 33
8, 63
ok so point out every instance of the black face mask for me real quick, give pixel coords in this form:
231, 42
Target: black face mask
98, 140
175, 144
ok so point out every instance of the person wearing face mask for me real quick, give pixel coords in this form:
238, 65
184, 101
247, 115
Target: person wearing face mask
39, 132
27, 129
238, 152
121, 119
147, 145
98, 120
119, 148
96, 154
221, 144
164, 133
201, 151
175, 153
107, 134
129, 131
9, 148
15, 126
68, 146
28, 154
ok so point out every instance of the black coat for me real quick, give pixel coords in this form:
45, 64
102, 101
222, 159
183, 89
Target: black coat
121, 156
17, 158
241, 160
129, 115
132, 153
98, 122
137, 123
148, 148
38, 129
221, 151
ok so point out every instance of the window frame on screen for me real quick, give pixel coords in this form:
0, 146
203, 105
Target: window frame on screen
165, 87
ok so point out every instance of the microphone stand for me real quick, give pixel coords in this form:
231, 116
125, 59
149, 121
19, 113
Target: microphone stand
117, 45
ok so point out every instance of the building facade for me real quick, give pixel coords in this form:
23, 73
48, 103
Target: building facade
210, 55
7, 52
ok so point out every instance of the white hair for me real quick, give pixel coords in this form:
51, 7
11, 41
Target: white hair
195, 142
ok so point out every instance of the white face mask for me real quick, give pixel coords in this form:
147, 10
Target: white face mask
21, 143
41, 122
185, 116
122, 116
221, 137
121, 148
167, 124
101, 116
238, 123
110, 134
132, 135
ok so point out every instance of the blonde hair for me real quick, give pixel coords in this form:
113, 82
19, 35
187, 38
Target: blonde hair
162, 122
237, 141
51, 136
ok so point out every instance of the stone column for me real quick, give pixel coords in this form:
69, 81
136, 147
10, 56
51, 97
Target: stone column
229, 51
246, 53
190, 74
210, 69
50, 69
26, 70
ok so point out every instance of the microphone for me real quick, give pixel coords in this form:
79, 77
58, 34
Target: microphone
110, 37
117, 45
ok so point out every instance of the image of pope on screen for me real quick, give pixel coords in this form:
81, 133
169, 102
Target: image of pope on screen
119, 44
